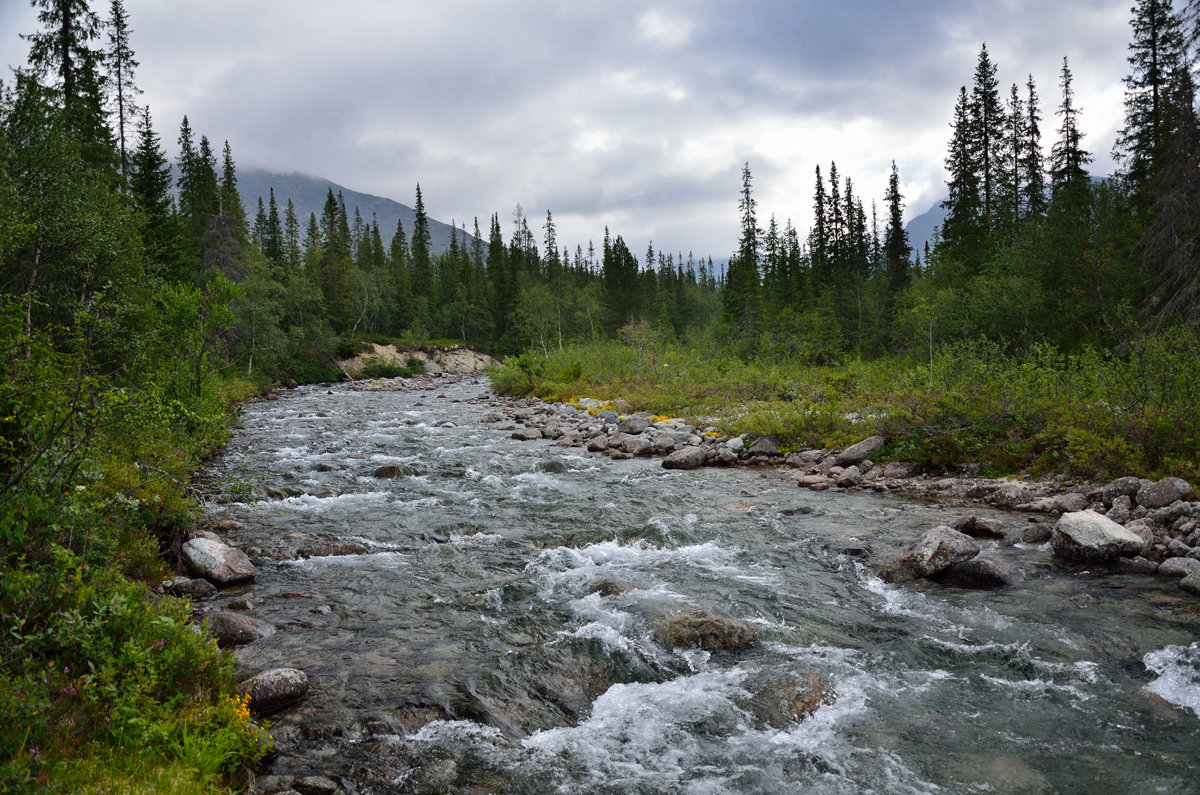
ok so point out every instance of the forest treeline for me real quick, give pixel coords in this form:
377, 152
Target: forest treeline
1050, 325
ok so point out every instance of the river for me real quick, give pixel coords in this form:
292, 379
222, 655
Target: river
485, 623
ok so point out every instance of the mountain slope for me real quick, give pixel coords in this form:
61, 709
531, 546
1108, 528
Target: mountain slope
308, 196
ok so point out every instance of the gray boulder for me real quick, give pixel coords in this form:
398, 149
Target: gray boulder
635, 423
1122, 487
238, 629
768, 445
850, 477
980, 527
1179, 567
1122, 507
1089, 537
981, 573
685, 458
857, 453
1137, 565
900, 470
216, 562
936, 550
272, 690
1036, 534
1191, 584
1163, 493
197, 588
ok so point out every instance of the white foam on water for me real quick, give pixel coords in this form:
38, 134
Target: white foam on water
1178, 669
309, 503
375, 560
1036, 688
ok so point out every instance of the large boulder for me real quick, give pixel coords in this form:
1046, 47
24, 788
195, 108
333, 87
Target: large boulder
690, 626
685, 458
1089, 537
1163, 493
216, 562
857, 453
272, 690
933, 552
238, 629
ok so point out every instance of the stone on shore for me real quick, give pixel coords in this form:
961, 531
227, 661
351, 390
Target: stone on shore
857, 453
936, 550
274, 689
1191, 584
238, 629
1090, 537
685, 458
216, 562
1179, 567
767, 445
1163, 493
197, 588
635, 424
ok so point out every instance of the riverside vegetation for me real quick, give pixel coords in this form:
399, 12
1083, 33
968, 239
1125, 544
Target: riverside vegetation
1050, 327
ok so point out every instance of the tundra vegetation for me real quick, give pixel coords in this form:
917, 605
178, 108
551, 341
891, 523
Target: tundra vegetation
1051, 325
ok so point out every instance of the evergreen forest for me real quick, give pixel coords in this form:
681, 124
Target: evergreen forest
1051, 327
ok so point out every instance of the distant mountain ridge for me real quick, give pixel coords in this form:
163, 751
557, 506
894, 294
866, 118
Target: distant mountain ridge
308, 196
921, 228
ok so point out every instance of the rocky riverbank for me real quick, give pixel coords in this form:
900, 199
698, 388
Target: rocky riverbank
1157, 523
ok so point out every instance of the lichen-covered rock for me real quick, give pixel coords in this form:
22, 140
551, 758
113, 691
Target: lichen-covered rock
1090, 537
1162, 493
692, 626
216, 562
857, 453
1122, 487
934, 551
635, 424
274, 689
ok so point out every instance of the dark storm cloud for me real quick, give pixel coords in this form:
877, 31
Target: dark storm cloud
634, 115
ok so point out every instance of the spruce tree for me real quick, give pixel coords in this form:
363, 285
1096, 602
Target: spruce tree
987, 136
1154, 104
897, 253
422, 264
1068, 175
121, 64
1032, 163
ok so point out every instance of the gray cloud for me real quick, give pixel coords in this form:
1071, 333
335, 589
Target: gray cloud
629, 114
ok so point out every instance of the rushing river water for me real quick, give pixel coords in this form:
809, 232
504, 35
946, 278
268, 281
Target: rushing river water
490, 631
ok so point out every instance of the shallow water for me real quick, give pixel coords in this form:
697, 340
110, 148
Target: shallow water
464, 646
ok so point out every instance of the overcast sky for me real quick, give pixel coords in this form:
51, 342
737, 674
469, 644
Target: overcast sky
635, 115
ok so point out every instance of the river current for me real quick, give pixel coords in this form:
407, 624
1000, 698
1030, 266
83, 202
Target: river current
482, 623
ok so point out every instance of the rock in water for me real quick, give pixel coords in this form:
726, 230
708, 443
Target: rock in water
981, 573
238, 629
218, 563
1089, 537
691, 626
934, 551
272, 690
980, 527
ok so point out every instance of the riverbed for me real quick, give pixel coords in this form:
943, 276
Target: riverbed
483, 622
